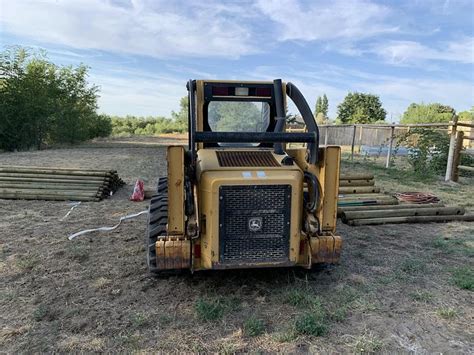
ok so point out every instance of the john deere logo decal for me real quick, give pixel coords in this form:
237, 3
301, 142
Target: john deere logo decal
255, 224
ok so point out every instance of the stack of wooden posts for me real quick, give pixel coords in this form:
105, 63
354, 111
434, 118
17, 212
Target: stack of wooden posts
362, 203
360, 190
60, 184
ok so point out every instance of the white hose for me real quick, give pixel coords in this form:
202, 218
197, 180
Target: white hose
106, 229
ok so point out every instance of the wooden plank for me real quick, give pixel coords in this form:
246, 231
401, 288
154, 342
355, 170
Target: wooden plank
464, 124
345, 183
359, 190
411, 219
48, 197
356, 176
342, 209
466, 168
385, 213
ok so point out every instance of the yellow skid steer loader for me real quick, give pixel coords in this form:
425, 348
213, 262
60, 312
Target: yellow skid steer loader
239, 197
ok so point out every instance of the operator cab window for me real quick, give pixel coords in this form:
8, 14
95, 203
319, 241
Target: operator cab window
238, 116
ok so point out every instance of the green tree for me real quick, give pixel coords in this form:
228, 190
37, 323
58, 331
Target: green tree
28, 95
428, 113
318, 107
181, 117
324, 106
41, 103
466, 115
76, 116
360, 108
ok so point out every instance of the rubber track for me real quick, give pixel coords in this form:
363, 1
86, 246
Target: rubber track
157, 220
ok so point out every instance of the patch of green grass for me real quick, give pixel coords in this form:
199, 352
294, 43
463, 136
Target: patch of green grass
231, 304
364, 304
446, 312
311, 324
43, 312
338, 314
298, 297
459, 245
27, 262
209, 310
421, 296
346, 299
253, 326
303, 299
139, 320
7, 295
413, 266
463, 278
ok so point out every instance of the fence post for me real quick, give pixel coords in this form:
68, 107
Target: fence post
452, 142
360, 138
390, 146
353, 142
457, 155
326, 136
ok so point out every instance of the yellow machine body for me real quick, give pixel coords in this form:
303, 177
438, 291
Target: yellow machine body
249, 206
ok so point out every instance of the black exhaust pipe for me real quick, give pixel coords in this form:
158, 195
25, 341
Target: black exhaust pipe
280, 114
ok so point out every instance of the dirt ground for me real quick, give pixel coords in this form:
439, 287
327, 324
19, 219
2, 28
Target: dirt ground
398, 288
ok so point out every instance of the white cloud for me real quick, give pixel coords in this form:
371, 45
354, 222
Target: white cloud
131, 92
411, 52
144, 27
395, 92
325, 20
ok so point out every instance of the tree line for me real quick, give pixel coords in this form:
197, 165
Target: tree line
367, 108
42, 103
151, 126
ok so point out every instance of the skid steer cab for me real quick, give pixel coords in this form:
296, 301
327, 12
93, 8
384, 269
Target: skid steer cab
239, 197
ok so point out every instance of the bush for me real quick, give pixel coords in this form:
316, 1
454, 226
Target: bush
146, 126
43, 104
428, 150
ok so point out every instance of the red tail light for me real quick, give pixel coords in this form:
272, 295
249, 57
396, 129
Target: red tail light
220, 91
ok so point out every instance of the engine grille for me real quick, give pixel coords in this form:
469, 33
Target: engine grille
242, 209
246, 159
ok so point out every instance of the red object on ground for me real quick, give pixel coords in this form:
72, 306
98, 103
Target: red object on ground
138, 191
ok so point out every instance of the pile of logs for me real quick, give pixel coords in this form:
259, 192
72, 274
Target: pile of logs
61, 184
362, 203
360, 190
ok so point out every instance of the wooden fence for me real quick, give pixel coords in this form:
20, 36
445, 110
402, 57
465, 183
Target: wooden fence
355, 135
456, 145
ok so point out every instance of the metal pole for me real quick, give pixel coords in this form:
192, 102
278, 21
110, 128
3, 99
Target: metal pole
452, 143
353, 142
389, 153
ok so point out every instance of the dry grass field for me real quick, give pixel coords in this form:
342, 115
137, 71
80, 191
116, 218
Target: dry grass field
398, 288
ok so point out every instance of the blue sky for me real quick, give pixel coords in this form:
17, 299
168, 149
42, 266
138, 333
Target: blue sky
141, 52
